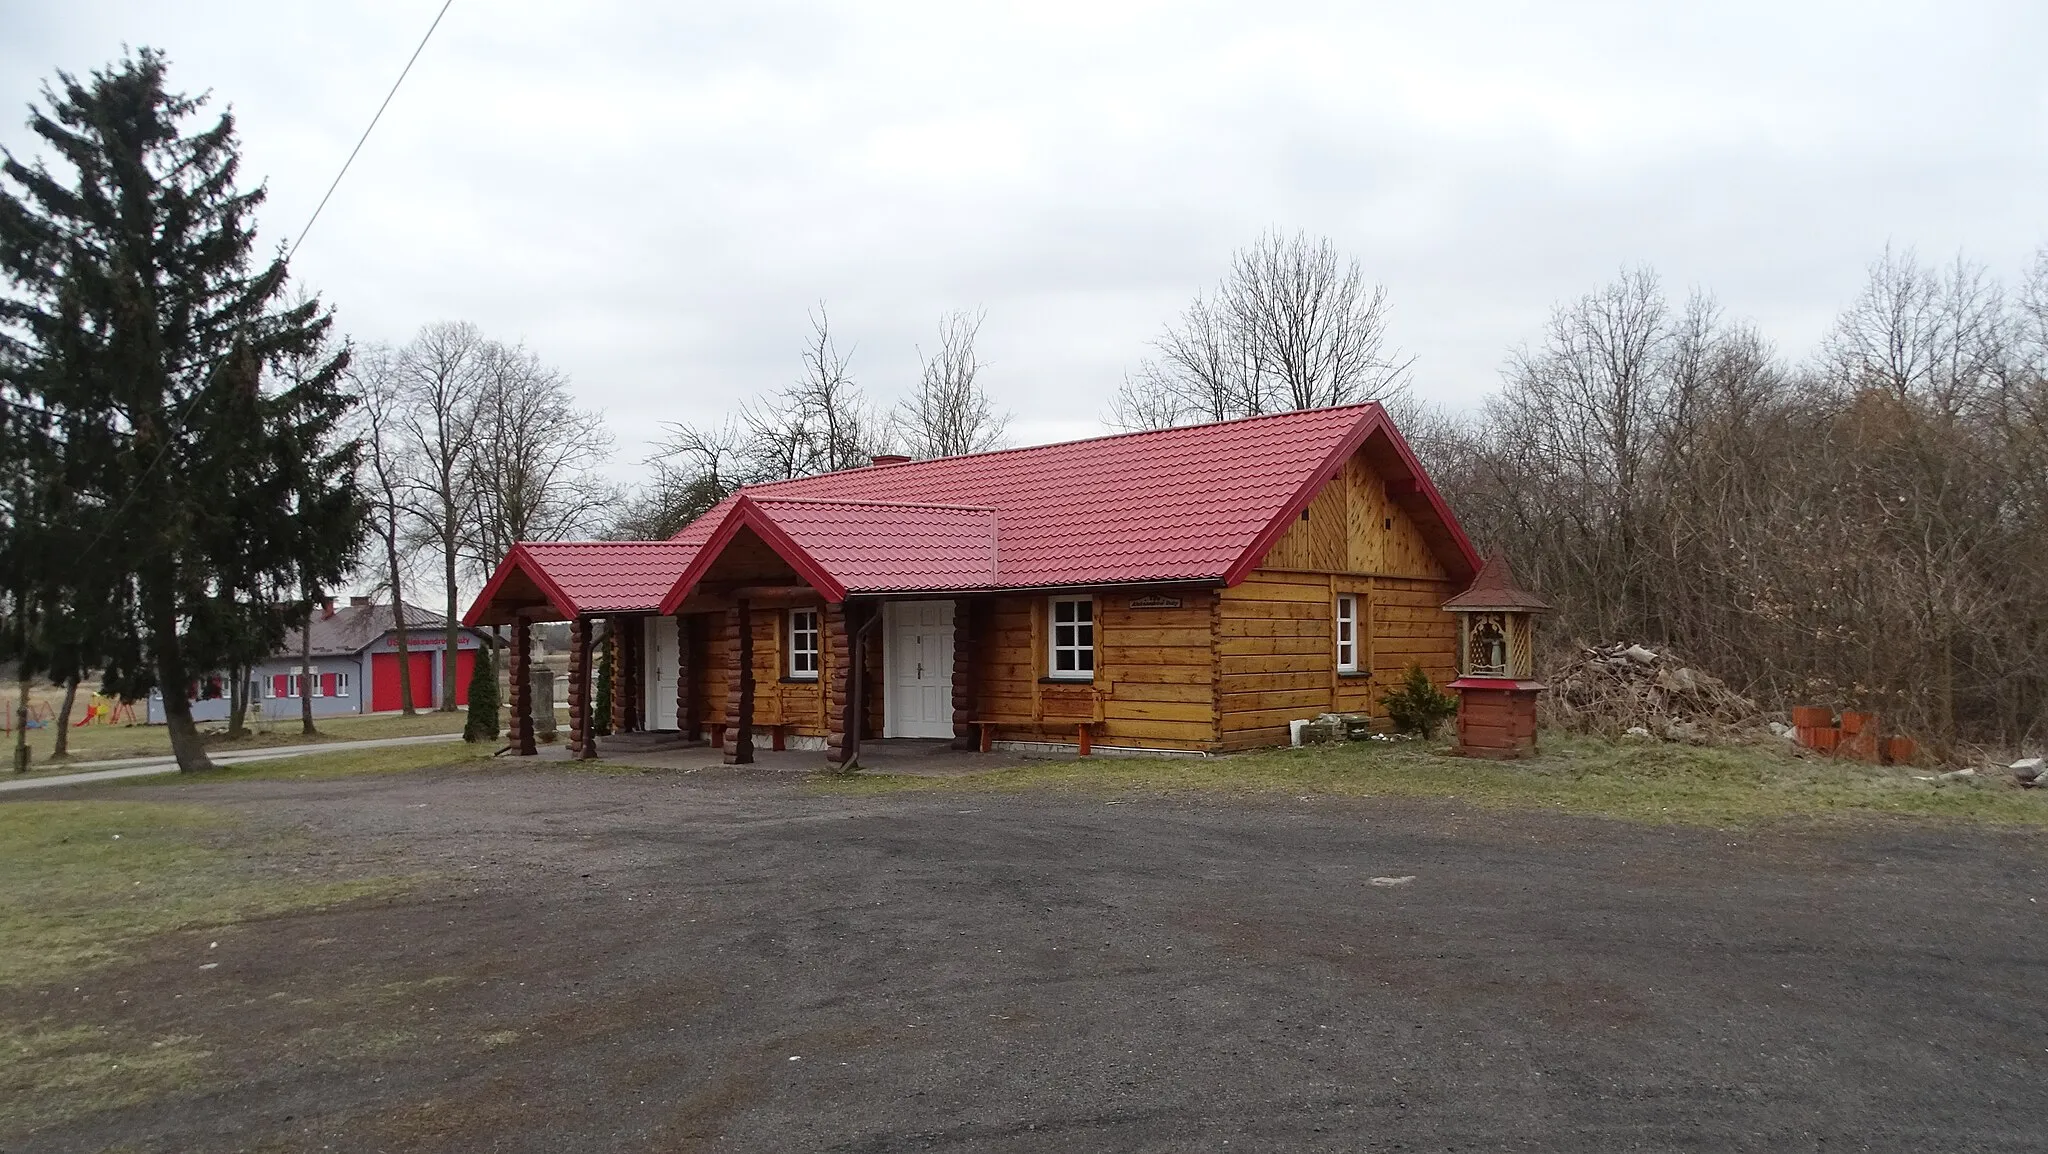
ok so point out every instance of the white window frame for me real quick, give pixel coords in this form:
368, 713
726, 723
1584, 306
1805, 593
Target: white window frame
1346, 632
1081, 653
798, 651
341, 687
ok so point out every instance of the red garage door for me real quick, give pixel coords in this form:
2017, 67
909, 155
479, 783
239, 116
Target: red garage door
465, 664
384, 681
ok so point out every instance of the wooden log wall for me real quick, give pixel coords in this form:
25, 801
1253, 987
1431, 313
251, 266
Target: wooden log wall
778, 699
1277, 651
1153, 684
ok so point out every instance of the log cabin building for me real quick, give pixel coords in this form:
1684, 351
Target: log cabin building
1182, 590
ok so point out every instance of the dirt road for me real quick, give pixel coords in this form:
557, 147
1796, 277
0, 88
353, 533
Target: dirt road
740, 963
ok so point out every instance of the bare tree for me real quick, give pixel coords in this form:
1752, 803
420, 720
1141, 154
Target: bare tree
386, 472
1861, 528
441, 371
531, 474
1291, 326
950, 413
695, 467
820, 424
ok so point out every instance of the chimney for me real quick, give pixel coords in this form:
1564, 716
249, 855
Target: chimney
326, 608
889, 459
359, 603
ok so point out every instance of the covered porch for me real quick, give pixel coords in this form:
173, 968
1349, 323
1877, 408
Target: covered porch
731, 645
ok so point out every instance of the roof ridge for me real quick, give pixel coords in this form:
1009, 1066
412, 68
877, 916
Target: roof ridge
875, 504
1129, 435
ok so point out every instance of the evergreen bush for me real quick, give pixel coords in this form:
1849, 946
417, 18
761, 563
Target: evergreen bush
1418, 706
483, 698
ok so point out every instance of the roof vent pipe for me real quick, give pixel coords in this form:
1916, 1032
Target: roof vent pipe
889, 459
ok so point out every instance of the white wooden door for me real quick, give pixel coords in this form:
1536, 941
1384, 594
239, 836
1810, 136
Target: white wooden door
918, 699
660, 677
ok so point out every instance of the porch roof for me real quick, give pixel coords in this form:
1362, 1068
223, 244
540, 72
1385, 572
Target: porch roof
562, 580
843, 547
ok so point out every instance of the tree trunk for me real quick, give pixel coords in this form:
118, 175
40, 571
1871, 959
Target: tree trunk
61, 750
21, 724
306, 679
175, 682
398, 628
454, 626
238, 704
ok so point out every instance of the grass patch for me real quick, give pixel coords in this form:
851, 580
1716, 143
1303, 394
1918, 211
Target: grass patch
89, 881
1638, 781
49, 1072
340, 763
113, 742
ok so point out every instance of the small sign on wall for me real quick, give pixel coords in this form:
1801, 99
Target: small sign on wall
1153, 601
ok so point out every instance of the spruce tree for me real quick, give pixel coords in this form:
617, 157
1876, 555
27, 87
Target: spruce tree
483, 699
210, 491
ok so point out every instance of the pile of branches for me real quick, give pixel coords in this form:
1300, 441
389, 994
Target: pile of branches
1625, 688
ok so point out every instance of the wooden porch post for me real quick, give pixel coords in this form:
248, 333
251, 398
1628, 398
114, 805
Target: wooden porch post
842, 740
582, 741
689, 668
964, 736
739, 741
522, 687
613, 636
633, 719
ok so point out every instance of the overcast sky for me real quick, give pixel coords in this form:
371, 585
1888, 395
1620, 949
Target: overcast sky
652, 195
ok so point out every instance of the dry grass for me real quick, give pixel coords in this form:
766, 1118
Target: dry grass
87, 881
1637, 781
109, 742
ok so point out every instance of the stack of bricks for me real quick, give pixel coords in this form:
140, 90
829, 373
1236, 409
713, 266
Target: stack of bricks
1855, 734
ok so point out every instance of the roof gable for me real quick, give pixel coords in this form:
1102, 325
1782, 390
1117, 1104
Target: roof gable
832, 544
573, 578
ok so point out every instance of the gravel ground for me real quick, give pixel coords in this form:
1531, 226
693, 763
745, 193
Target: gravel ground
738, 962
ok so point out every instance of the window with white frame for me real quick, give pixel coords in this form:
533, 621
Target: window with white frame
803, 644
341, 685
1347, 634
1073, 638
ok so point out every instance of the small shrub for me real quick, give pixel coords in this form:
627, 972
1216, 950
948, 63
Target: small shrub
1417, 706
483, 698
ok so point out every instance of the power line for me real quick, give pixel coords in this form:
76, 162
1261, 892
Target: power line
193, 401
366, 131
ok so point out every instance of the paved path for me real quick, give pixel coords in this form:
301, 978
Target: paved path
92, 771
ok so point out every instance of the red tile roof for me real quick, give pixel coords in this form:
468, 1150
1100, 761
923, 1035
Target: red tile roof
883, 546
579, 577
1200, 503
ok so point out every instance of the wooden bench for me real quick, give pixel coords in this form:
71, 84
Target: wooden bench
1084, 732
778, 733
